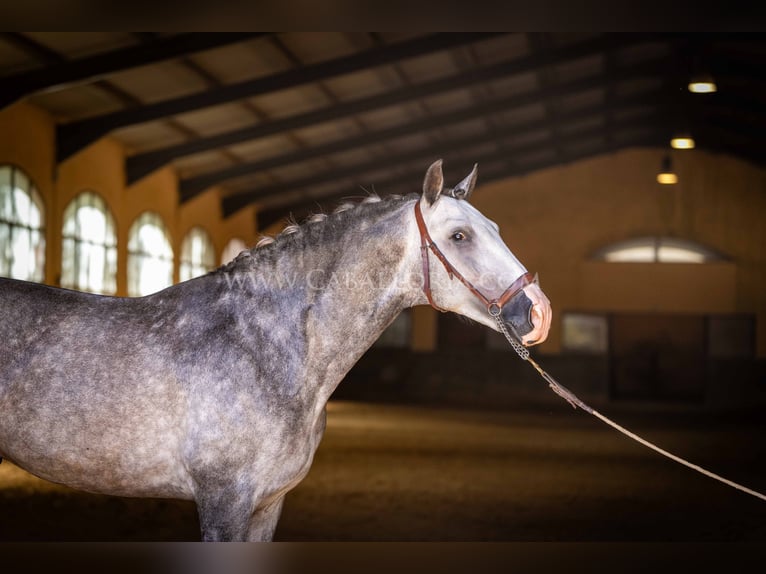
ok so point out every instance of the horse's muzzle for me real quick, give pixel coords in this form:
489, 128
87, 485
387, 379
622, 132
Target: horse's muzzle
529, 313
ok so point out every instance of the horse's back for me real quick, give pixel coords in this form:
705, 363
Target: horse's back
45, 325
84, 386
24, 307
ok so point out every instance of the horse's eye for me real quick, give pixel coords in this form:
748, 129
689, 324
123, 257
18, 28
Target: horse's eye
458, 236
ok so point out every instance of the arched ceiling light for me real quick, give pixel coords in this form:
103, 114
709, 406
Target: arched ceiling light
682, 141
666, 175
702, 84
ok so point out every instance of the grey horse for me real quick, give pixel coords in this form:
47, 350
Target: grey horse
214, 390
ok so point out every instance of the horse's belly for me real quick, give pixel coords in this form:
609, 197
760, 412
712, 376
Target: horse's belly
94, 439
129, 466
154, 478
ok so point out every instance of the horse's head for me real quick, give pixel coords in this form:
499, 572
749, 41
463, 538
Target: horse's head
467, 267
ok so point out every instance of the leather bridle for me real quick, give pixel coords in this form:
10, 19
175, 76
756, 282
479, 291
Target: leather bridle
494, 306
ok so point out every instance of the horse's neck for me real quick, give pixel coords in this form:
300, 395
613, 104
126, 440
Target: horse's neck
353, 286
367, 284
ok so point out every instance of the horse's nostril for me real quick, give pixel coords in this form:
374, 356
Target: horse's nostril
534, 314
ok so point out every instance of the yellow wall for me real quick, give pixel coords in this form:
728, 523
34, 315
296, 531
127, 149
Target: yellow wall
98, 169
197, 213
28, 141
241, 224
553, 220
26, 136
665, 288
26, 133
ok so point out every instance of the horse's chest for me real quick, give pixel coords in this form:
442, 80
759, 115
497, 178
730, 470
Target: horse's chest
307, 442
297, 454
273, 451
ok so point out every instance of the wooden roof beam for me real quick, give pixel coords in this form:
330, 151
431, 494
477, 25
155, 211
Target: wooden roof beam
77, 135
61, 72
233, 203
190, 187
143, 164
268, 216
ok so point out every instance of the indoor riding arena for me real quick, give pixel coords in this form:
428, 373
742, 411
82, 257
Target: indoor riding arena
626, 174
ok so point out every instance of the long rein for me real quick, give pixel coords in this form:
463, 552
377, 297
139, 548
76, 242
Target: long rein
495, 307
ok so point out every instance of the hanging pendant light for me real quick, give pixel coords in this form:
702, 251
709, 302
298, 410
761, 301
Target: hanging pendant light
667, 176
682, 141
702, 84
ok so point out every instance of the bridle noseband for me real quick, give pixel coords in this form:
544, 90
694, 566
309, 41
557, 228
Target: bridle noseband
494, 306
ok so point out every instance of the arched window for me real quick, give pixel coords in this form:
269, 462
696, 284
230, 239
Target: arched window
150, 256
89, 246
234, 247
22, 227
197, 254
657, 250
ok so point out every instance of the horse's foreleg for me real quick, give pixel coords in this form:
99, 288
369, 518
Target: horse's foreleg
263, 521
228, 515
224, 513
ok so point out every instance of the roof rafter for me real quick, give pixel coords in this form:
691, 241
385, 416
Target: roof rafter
33, 48
718, 136
233, 203
61, 72
272, 215
539, 42
75, 136
141, 165
190, 187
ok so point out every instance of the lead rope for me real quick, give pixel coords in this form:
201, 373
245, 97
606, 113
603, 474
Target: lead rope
573, 400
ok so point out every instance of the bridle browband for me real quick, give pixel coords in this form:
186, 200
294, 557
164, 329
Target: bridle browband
494, 306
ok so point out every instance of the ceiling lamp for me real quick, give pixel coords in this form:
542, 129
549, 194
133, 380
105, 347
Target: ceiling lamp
702, 84
666, 175
682, 142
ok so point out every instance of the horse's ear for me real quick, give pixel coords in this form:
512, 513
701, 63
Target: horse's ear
463, 189
433, 182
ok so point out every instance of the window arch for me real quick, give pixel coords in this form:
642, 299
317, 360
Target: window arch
657, 250
89, 245
22, 226
234, 247
150, 256
197, 254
